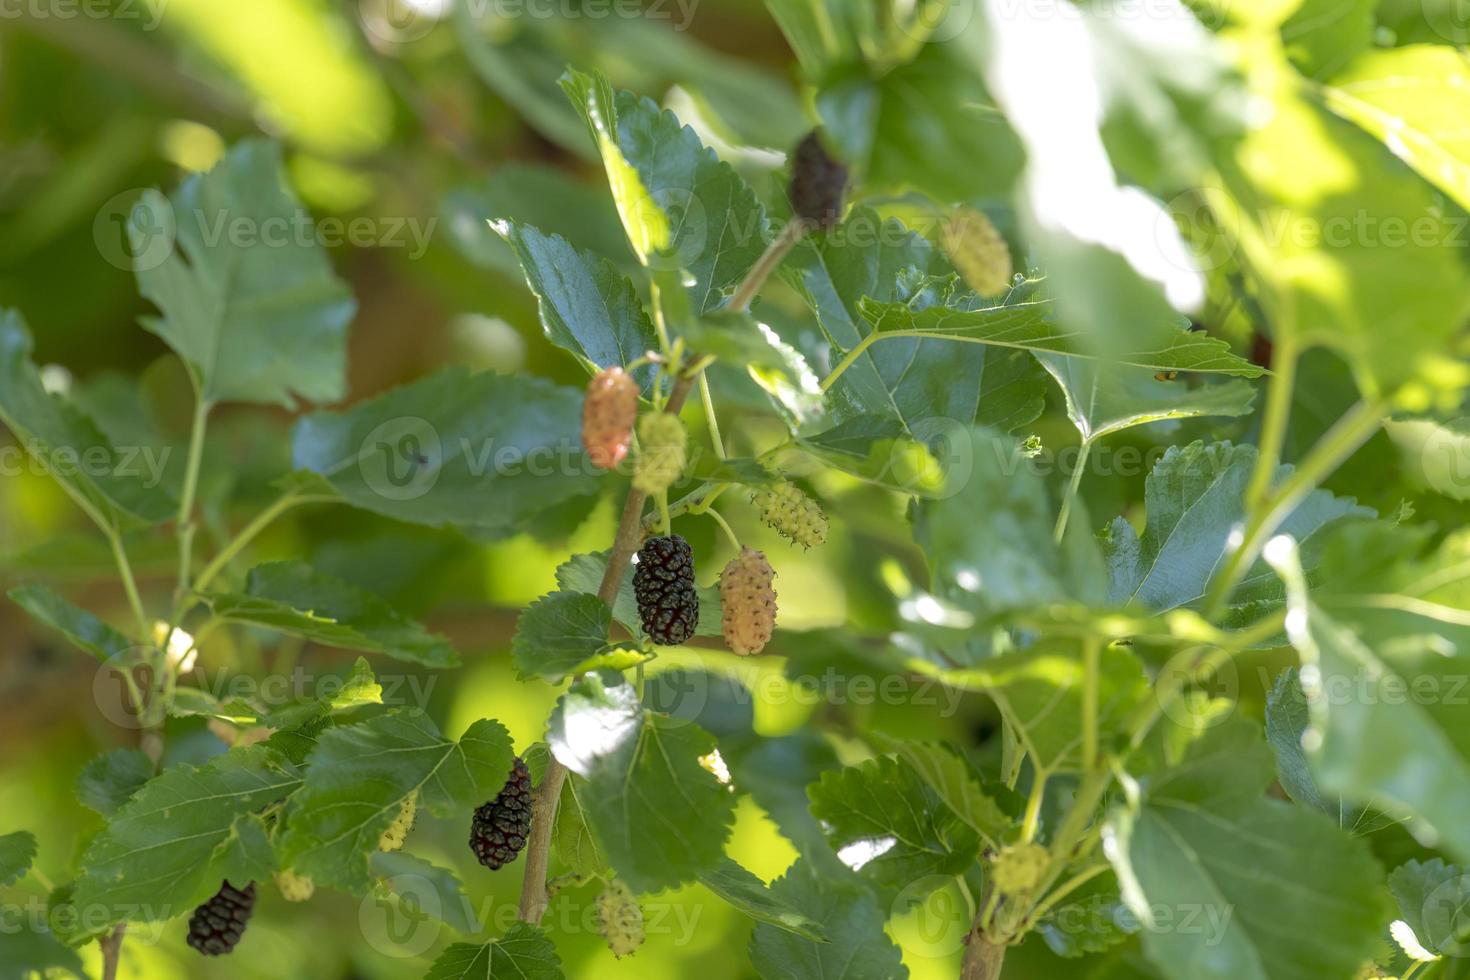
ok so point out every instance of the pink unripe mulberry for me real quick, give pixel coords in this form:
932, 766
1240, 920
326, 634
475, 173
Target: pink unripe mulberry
608, 414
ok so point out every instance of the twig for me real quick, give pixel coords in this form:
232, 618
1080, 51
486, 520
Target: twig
766, 264
112, 951
547, 796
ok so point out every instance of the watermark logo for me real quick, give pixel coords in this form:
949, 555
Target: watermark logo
401, 459
135, 230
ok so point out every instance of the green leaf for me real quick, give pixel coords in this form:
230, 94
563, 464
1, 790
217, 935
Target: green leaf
478, 451
885, 452
291, 597
109, 781
587, 306
1091, 919
1214, 849
888, 825
850, 916
257, 316
157, 854
82, 628
902, 129
1432, 897
17, 851
359, 688
419, 888
1030, 324
1413, 99
775, 366
912, 380
957, 785
1194, 501
110, 484
682, 206
990, 545
30, 950
1373, 268
359, 775
576, 847
750, 895
1040, 690
1387, 719
559, 633
659, 816
1104, 398
525, 953
1323, 35
1287, 720
246, 853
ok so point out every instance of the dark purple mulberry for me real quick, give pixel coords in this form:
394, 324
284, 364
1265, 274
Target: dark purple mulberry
663, 584
818, 183
500, 828
216, 926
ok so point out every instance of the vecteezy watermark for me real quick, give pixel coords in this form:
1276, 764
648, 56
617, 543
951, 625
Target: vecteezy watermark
143, 464
406, 915
138, 231
149, 12
405, 21
38, 916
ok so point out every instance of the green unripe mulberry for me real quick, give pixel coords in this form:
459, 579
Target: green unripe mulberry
794, 515
662, 452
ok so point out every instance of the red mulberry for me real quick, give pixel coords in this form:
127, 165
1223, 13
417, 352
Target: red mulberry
608, 413
749, 602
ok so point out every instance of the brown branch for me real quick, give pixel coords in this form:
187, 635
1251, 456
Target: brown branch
112, 951
544, 801
983, 958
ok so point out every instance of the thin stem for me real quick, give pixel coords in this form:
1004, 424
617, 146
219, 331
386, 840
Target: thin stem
1091, 652
1072, 487
726, 528
1340, 442
1277, 414
709, 415
1062, 891
547, 795
130, 584
664, 523
186, 525
850, 358
1032, 822
783, 243
263, 520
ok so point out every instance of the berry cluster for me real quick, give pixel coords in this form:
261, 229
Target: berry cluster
501, 827
663, 584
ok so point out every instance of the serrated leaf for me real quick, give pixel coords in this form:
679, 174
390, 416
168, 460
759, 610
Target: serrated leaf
109, 781
659, 816
478, 451
750, 895
1432, 897
1399, 739
1194, 500
525, 953
848, 913
1030, 324
1215, 850
111, 484
587, 306
17, 851
153, 860
1103, 398
359, 775
583, 573
575, 845
82, 628
775, 366
1040, 690
888, 825
558, 634
1287, 719
291, 597
1091, 919
417, 888
246, 853
258, 318
957, 785
914, 380
359, 688
892, 454
682, 206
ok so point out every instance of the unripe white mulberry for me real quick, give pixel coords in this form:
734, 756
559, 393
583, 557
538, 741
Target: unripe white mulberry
1019, 867
294, 887
978, 251
662, 444
620, 919
397, 832
748, 602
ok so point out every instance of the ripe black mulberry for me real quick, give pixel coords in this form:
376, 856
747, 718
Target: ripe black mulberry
501, 827
663, 584
216, 926
818, 183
